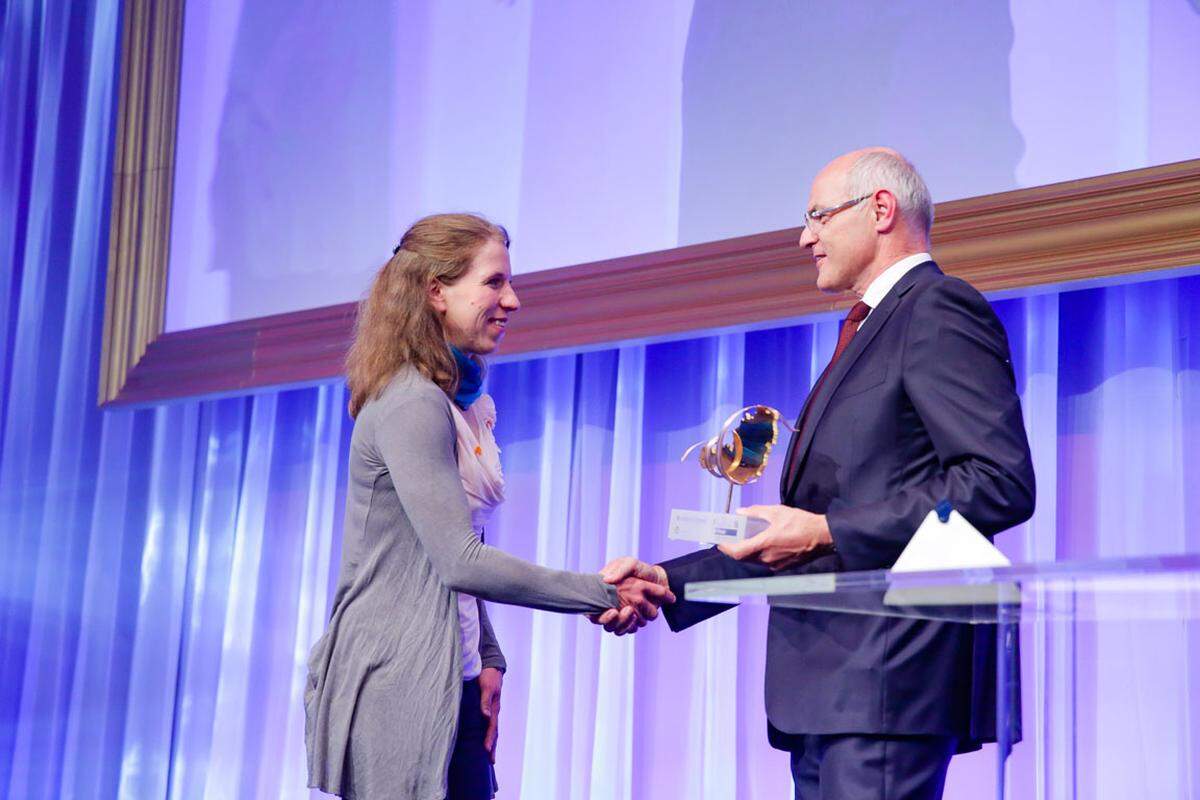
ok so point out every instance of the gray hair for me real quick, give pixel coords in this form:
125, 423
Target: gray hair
892, 171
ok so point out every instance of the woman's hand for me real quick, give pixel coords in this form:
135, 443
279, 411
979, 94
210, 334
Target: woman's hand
630, 573
490, 682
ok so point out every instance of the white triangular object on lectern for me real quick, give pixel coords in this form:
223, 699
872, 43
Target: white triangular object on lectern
953, 544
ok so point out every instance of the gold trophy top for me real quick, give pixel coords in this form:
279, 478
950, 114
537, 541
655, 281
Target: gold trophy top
739, 452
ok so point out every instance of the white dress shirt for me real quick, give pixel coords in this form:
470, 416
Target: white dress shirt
883, 284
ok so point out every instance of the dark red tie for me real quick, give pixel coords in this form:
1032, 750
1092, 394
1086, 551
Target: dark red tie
858, 312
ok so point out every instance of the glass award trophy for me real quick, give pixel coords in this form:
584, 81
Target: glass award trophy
737, 454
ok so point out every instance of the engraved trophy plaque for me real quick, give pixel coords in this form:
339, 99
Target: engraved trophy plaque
737, 454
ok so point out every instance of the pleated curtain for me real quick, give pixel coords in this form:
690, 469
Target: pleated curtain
163, 571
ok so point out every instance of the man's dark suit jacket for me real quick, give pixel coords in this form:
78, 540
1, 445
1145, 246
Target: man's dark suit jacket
922, 406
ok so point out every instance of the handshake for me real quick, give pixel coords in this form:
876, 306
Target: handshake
642, 589
793, 536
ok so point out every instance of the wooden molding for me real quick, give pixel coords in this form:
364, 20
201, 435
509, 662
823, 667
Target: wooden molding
143, 171
1103, 227
1111, 225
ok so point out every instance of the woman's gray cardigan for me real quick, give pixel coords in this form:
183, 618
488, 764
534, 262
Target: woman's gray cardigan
385, 680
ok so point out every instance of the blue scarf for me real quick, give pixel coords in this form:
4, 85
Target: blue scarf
470, 379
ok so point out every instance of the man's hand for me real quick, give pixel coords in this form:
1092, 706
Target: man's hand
490, 682
643, 596
628, 618
794, 535
620, 568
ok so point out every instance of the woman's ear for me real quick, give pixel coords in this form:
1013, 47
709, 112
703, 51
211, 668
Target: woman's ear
437, 297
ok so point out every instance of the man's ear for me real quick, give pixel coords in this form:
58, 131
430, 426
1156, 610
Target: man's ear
437, 296
885, 209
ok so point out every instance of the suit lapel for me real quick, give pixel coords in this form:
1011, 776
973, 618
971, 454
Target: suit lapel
802, 440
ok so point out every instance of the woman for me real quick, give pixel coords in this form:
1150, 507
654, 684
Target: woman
393, 705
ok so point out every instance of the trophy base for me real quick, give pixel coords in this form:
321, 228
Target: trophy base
711, 527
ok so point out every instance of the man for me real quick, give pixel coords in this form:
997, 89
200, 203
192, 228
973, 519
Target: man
918, 405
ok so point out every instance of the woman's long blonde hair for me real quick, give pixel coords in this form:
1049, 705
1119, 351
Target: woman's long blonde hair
396, 325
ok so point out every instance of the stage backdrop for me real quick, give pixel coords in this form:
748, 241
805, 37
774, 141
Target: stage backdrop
164, 571
311, 134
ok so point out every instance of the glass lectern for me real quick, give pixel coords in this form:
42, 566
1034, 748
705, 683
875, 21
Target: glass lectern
1108, 666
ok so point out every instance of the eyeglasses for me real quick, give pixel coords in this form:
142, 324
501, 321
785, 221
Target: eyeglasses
813, 220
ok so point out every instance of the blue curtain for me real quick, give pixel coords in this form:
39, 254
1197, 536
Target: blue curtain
164, 571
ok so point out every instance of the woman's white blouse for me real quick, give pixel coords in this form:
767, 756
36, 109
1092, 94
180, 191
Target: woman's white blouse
483, 480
